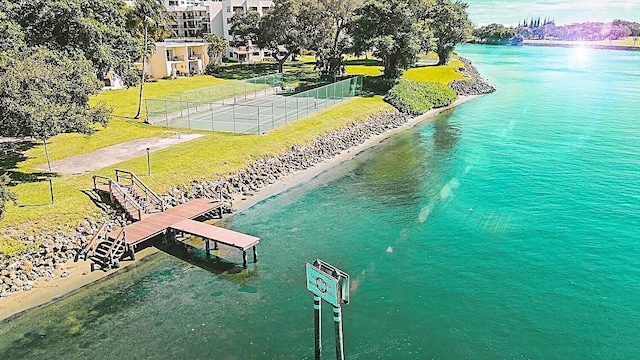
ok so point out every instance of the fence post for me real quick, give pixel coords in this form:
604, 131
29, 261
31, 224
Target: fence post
213, 128
188, 116
233, 109
166, 113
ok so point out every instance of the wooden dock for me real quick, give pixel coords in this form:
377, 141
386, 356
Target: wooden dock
152, 218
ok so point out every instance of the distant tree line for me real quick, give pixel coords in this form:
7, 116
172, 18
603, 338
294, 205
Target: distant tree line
395, 31
545, 29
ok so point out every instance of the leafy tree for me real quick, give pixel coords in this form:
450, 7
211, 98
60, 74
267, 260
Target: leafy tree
5, 194
44, 93
243, 27
279, 27
325, 24
450, 25
150, 21
392, 31
216, 47
94, 28
494, 34
11, 37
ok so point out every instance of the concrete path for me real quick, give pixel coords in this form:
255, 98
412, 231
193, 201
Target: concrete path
114, 154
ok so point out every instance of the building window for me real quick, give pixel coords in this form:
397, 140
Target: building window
256, 53
265, 9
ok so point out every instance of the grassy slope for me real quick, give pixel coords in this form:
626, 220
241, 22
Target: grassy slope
441, 74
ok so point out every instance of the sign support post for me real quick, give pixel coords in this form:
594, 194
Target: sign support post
317, 317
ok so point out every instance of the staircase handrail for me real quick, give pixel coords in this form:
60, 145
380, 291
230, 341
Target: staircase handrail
99, 179
150, 195
114, 187
90, 248
115, 246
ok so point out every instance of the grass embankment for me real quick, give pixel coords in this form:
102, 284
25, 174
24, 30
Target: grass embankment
215, 154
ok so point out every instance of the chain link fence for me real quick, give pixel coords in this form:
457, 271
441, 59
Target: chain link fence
255, 111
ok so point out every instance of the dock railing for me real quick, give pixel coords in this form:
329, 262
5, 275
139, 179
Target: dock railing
150, 196
116, 246
91, 246
116, 192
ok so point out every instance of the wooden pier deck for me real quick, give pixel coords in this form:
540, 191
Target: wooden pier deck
180, 218
155, 224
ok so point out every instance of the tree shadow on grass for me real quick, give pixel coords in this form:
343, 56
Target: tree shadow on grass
11, 154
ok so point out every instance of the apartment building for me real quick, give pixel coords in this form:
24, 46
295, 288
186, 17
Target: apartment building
214, 17
185, 54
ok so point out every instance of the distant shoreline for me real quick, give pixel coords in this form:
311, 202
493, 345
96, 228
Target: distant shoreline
573, 44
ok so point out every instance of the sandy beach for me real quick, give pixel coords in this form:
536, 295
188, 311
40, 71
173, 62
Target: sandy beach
80, 275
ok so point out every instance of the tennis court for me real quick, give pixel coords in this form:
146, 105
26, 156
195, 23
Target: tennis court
255, 112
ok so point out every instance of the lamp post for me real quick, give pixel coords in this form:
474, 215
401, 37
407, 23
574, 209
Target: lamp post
148, 162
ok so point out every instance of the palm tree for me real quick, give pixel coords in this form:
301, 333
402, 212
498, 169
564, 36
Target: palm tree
150, 20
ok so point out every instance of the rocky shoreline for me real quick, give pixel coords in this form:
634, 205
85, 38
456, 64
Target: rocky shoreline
476, 86
54, 251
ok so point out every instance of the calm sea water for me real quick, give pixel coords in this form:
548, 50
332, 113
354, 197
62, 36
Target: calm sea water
508, 228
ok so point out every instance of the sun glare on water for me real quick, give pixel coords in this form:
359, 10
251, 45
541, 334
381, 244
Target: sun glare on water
579, 57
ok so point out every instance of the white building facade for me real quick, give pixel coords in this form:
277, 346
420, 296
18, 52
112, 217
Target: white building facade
195, 16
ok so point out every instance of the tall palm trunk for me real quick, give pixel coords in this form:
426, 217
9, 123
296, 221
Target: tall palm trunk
144, 61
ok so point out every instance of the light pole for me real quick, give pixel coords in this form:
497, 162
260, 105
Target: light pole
148, 162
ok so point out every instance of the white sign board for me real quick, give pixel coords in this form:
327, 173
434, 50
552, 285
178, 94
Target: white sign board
323, 285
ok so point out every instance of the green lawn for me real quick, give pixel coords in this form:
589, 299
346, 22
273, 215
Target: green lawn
442, 74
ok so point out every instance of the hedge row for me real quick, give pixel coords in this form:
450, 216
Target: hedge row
415, 98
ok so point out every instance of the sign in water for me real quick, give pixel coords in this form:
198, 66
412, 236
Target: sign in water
323, 285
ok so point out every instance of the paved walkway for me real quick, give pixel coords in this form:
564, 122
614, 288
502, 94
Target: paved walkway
114, 154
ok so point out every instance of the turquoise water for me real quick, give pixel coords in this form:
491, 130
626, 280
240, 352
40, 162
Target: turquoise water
508, 228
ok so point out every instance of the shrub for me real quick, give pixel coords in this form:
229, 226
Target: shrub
415, 98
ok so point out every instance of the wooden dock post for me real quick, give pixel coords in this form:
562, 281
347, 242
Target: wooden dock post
337, 318
244, 259
206, 242
255, 254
